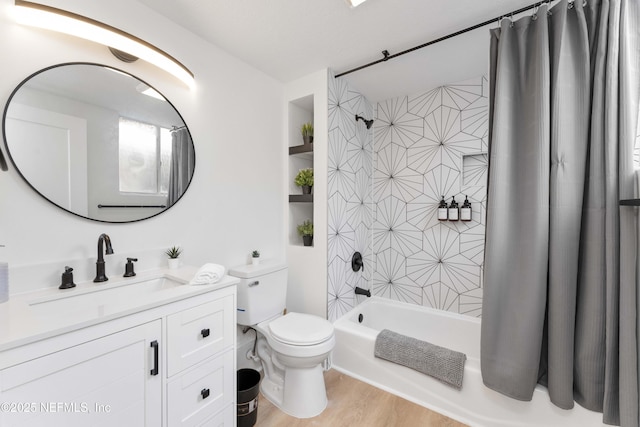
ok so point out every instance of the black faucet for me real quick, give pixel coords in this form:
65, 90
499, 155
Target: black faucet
100, 276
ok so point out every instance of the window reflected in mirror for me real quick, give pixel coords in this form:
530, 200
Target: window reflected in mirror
144, 157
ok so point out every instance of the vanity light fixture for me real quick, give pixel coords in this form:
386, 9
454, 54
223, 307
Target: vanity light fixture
51, 18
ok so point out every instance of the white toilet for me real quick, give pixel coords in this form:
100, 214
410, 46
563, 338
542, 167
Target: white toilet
293, 348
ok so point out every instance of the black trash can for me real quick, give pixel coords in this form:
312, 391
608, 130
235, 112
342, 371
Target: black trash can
247, 404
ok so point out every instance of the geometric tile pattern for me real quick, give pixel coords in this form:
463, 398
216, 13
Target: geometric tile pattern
349, 204
427, 146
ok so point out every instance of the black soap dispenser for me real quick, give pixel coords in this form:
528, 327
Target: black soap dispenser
454, 211
465, 210
442, 210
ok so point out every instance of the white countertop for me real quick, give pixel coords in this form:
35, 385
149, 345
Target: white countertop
24, 319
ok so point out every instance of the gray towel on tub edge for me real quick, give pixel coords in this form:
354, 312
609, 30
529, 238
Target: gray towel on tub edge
441, 363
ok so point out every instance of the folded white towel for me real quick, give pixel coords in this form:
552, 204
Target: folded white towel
208, 274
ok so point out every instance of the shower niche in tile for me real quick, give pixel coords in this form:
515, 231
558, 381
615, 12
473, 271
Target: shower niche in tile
474, 169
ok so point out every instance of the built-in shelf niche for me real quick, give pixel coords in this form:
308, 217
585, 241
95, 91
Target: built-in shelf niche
300, 157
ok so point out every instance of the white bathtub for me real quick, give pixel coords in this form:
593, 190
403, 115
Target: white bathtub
475, 404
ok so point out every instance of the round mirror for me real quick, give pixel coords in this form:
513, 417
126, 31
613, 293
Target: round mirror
98, 142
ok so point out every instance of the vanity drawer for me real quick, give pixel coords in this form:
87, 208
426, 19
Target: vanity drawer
198, 333
198, 395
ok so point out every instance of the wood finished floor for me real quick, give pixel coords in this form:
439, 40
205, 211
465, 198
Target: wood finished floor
354, 403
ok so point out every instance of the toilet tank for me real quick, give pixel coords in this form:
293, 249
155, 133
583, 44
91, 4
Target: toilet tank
262, 291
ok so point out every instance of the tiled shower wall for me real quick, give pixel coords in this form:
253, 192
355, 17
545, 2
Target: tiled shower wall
383, 196
350, 177
427, 146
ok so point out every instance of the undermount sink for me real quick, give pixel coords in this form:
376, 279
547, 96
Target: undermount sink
90, 295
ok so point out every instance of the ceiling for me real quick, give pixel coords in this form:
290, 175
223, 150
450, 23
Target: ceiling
288, 39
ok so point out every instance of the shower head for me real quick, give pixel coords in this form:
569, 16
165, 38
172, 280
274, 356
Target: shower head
369, 123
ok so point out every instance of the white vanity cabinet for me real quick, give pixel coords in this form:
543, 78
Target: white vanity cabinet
169, 365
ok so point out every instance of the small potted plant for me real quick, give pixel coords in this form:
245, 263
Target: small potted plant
307, 133
306, 231
304, 179
173, 253
255, 257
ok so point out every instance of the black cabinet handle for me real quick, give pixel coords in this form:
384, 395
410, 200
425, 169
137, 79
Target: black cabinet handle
204, 393
205, 333
156, 352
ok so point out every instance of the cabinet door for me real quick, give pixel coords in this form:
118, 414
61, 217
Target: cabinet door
104, 382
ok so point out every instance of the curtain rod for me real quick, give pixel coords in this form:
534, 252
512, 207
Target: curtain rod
387, 56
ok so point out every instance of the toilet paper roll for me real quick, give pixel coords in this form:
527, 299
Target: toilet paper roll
4, 282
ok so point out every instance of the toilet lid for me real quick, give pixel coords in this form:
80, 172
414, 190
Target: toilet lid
301, 329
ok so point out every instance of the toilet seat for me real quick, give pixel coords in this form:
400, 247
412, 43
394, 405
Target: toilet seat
324, 337
301, 329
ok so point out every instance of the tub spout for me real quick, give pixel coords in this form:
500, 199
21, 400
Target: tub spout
360, 291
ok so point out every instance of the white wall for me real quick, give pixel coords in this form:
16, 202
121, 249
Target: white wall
235, 115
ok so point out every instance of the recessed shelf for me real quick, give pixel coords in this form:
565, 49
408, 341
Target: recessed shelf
301, 198
474, 169
301, 156
299, 149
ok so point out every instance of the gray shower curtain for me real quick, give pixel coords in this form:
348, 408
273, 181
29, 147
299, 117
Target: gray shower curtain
560, 297
183, 162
